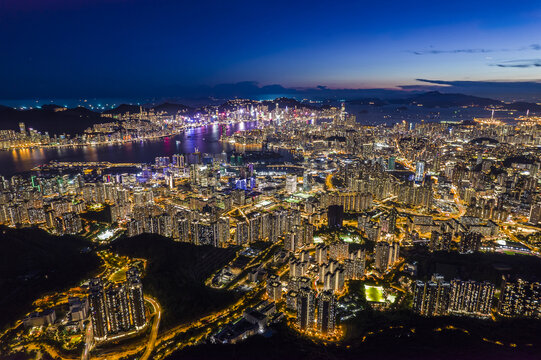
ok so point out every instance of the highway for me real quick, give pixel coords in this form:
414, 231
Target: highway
155, 327
328, 182
88, 341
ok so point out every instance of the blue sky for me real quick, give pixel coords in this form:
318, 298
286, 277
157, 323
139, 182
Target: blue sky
125, 48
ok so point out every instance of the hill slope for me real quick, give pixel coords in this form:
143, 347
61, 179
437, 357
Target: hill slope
33, 262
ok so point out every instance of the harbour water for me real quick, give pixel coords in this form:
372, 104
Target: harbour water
204, 138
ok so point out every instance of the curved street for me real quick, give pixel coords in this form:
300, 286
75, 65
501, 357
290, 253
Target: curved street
155, 327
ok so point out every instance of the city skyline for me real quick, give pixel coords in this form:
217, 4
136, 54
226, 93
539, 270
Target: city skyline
270, 180
166, 231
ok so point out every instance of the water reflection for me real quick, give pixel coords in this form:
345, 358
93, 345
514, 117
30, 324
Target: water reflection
205, 139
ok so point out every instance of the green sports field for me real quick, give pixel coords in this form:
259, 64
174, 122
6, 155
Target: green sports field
374, 293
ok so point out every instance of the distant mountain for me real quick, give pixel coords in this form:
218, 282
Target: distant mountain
232, 104
435, 99
524, 106
169, 108
123, 109
290, 103
52, 118
51, 107
369, 101
173, 109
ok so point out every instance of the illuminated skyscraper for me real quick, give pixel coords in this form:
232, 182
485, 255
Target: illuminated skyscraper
321, 253
469, 242
118, 312
520, 298
291, 183
471, 297
535, 214
306, 300
241, 235
134, 290
431, 298
98, 310
386, 255
274, 290
306, 181
326, 312
419, 171
178, 160
223, 231
204, 232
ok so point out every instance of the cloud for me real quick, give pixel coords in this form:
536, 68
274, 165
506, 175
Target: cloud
536, 47
519, 63
454, 51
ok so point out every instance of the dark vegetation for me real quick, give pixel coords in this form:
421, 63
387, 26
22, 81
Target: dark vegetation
23, 355
478, 266
33, 263
176, 274
103, 215
394, 334
482, 140
519, 159
399, 343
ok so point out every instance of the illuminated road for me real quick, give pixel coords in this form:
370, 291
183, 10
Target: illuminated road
328, 182
205, 326
505, 229
155, 326
456, 198
88, 341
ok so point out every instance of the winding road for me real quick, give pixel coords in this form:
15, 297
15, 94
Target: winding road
155, 326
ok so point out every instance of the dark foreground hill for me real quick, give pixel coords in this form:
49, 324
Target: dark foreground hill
53, 119
176, 274
33, 263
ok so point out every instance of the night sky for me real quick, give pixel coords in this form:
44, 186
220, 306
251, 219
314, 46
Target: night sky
129, 48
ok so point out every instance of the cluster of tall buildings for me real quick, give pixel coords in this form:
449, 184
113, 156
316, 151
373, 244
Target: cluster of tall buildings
117, 308
316, 311
520, 298
464, 235
349, 201
385, 228
23, 138
386, 254
41, 202
314, 282
371, 179
438, 297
